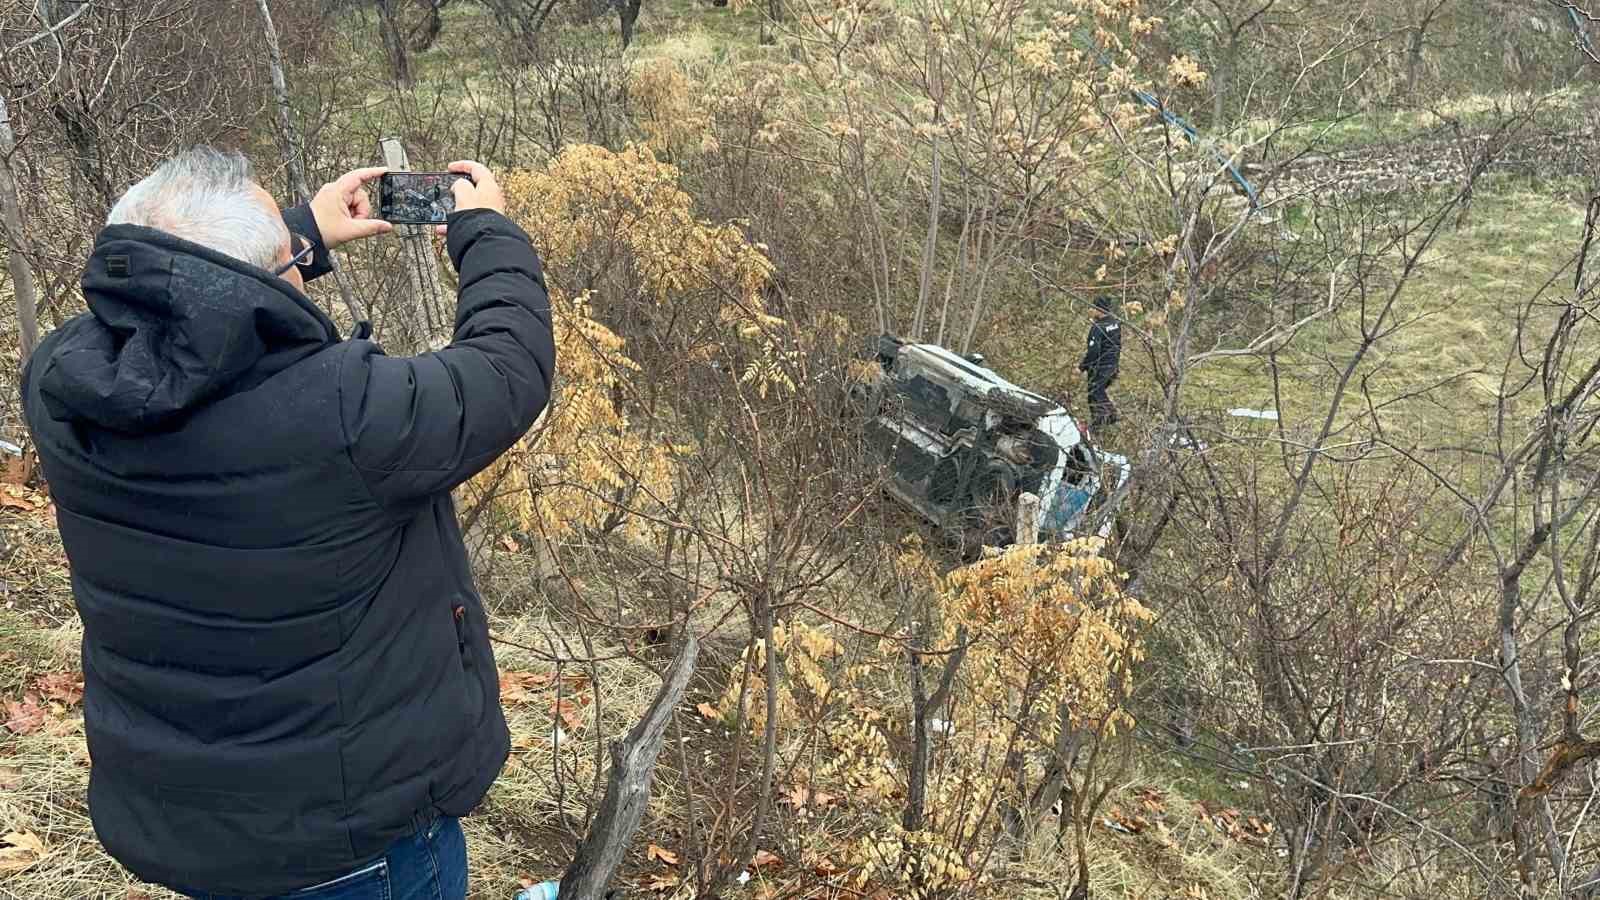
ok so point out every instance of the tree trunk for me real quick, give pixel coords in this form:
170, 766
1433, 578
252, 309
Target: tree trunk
288, 137
1413, 60
922, 707
628, 11
290, 147
22, 284
393, 44
633, 766
929, 244
427, 32
1222, 81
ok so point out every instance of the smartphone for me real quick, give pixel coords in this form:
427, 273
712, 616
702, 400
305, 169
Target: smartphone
417, 198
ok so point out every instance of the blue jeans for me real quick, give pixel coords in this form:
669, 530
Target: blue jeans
428, 865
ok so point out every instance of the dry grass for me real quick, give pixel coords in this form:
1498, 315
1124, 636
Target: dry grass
533, 815
543, 791
1460, 308
48, 774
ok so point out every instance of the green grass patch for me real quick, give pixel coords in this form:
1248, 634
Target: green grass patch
1460, 307
692, 32
1340, 133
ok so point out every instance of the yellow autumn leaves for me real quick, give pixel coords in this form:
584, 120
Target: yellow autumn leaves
1051, 641
1051, 621
619, 219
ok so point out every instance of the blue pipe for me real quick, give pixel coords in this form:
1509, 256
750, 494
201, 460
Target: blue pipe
1189, 132
1194, 136
1577, 26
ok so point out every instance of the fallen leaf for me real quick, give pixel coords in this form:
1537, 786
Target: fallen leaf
1152, 799
526, 880
135, 893
661, 882
569, 713
825, 867
517, 687
764, 858
65, 687
661, 853
7, 501
707, 710
511, 693
509, 544
9, 778
1130, 824
16, 470
20, 850
25, 717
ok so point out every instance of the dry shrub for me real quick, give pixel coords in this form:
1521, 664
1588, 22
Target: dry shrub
624, 253
1043, 641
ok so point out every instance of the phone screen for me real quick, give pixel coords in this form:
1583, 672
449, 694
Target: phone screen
417, 198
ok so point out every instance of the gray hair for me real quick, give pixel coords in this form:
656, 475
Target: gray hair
209, 197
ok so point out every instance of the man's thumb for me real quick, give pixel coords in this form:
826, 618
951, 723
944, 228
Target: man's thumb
372, 227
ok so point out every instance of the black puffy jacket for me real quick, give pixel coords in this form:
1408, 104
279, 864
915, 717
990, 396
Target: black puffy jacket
1103, 350
286, 664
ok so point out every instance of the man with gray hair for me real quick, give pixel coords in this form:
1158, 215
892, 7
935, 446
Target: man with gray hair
288, 683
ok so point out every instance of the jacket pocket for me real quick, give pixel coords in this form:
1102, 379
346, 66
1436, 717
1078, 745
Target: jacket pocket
477, 675
458, 610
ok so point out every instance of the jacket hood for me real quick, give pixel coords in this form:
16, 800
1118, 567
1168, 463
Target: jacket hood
172, 326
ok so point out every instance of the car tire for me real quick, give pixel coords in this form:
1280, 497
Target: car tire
1011, 407
944, 483
992, 503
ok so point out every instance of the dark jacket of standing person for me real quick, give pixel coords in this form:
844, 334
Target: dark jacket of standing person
1103, 354
286, 664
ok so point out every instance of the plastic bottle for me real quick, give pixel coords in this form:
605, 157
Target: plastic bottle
544, 890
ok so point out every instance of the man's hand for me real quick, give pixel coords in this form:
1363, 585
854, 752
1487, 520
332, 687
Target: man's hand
343, 212
482, 192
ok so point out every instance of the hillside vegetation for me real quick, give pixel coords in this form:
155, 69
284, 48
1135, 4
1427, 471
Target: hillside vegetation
1340, 646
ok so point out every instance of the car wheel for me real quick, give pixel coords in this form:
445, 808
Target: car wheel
944, 485
1012, 407
992, 508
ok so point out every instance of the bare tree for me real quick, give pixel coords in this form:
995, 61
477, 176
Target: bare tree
1416, 39
523, 20
1230, 22
93, 97
22, 283
293, 149
628, 12
426, 32
394, 43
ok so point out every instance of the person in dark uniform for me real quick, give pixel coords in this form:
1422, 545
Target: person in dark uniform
1101, 359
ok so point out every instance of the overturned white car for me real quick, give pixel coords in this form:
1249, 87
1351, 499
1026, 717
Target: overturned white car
963, 444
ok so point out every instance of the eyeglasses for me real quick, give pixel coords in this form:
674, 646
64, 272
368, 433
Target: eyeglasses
302, 249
